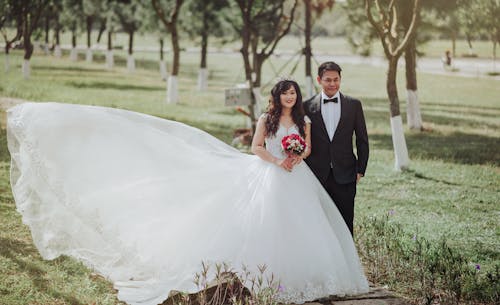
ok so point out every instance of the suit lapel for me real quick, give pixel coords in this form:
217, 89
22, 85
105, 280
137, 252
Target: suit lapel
316, 112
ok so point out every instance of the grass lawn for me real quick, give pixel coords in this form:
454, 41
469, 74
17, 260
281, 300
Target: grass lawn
451, 189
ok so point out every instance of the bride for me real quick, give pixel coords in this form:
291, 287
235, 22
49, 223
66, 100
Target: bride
143, 200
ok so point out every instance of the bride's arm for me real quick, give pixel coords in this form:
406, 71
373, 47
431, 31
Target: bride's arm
307, 152
259, 149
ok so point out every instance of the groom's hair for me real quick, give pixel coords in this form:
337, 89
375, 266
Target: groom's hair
328, 66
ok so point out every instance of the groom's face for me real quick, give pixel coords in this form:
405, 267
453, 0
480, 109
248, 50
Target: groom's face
330, 82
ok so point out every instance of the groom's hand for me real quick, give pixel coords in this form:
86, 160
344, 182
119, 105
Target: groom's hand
358, 177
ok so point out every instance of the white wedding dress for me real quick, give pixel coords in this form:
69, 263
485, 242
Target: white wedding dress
143, 201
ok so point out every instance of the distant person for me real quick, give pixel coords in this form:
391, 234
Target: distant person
447, 60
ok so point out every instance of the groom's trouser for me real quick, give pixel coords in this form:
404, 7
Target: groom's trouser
343, 196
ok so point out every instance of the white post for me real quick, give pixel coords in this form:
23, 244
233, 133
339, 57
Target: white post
172, 90
73, 55
413, 115
398, 140
109, 59
57, 51
130, 63
26, 69
89, 56
202, 79
163, 70
46, 49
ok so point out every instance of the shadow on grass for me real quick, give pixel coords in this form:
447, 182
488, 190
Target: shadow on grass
424, 177
13, 250
67, 68
4, 151
456, 147
111, 86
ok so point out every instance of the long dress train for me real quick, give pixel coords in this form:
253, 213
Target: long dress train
144, 201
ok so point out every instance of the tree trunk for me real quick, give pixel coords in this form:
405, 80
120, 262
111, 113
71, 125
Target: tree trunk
307, 50
469, 42
177, 50
494, 56
57, 47
398, 138
130, 58
454, 43
414, 119
163, 64
172, 84
47, 29
74, 53
109, 55
28, 49
203, 73
392, 90
89, 56
102, 28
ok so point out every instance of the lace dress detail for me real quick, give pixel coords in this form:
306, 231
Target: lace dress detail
144, 201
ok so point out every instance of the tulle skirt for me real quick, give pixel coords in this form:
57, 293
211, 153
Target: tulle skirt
143, 201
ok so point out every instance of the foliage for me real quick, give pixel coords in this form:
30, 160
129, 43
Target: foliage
426, 271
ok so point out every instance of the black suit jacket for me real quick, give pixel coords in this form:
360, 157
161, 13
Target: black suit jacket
338, 153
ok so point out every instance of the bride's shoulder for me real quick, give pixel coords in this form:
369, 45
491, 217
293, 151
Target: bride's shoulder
263, 116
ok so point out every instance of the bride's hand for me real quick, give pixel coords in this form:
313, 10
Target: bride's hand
286, 164
296, 160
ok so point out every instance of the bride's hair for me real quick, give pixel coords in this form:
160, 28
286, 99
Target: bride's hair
274, 109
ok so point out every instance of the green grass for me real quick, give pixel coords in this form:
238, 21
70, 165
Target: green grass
451, 189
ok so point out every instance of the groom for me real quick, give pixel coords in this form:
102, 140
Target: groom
335, 119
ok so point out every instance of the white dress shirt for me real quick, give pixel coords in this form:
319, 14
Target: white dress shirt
330, 113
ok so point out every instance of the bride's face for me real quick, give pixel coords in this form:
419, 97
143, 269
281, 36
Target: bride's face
288, 97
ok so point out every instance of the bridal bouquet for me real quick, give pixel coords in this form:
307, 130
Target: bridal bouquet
293, 144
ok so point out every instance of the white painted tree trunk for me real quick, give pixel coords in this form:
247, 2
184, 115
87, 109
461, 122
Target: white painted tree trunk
309, 88
7, 63
57, 51
163, 70
46, 49
172, 90
413, 115
258, 100
398, 140
130, 63
73, 55
26, 69
110, 60
89, 57
203, 79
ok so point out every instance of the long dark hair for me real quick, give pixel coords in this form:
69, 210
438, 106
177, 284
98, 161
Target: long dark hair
274, 109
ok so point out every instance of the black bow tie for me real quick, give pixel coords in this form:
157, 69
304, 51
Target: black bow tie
328, 100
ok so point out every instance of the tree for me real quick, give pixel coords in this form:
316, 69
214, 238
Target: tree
261, 27
170, 23
488, 12
152, 25
31, 11
71, 18
394, 43
317, 7
91, 12
11, 16
204, 18
129, 15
